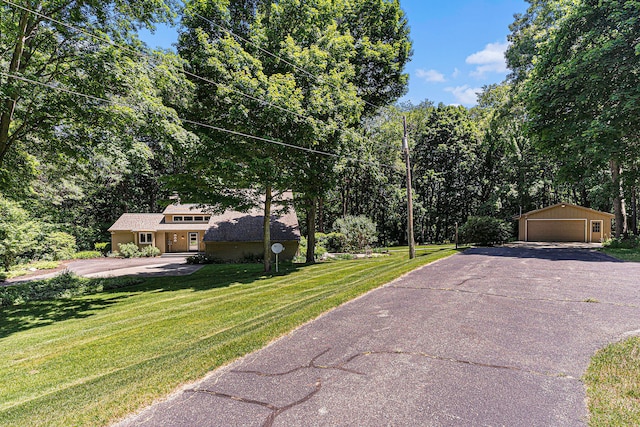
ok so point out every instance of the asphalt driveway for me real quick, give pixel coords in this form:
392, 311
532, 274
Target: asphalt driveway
494, 336
113, 267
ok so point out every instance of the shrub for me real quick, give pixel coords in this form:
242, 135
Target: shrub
87, 255
102, 247
332, 242
149, 251
57, 245
359, 232
628, 242
485, 231
128, 250
319, 249
65, 285
203, 259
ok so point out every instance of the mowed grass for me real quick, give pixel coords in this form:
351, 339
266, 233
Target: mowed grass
631, 255
94, 359
613, 385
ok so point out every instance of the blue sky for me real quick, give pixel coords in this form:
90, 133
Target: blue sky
458, 47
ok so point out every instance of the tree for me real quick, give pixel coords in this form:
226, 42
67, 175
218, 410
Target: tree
38, 123
303, 85
17, 232
579, 66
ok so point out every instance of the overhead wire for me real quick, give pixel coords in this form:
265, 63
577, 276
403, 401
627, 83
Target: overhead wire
148, 55
145, 54
302, 70
228, 131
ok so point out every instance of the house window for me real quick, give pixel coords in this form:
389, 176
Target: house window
146, 238
595, 227
188, 218
177, 218
197, 218
207, 218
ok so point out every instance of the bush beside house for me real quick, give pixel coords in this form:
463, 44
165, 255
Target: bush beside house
485, 231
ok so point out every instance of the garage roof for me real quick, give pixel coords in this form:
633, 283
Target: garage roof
593, 211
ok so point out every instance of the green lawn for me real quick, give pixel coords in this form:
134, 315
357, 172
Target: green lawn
613, 385
93, 359
632, 255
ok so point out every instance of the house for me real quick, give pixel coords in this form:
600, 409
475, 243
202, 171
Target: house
231, 235
564, 223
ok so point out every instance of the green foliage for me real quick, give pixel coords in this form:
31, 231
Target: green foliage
628, 242
102, 247
485, 231
332, 242
204, 259
57, 245
18, 232
359, 232
128, 250
64, 285
148, 251
88, 255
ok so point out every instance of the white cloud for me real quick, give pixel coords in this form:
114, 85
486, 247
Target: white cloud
456, 73
464, 94
430, 75
490, 59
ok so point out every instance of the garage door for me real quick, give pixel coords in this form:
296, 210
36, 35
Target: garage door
556, 230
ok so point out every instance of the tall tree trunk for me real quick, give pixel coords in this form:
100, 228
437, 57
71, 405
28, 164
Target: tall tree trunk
321, 215
619, 208
634, 210
266, 224
311, 231
10, 102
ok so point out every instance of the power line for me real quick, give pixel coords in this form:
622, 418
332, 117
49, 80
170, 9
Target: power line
140, 53
232, 132
308, 73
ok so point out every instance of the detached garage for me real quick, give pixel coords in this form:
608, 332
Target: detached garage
565, 223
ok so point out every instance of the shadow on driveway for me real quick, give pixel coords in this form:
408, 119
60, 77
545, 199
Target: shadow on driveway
550, 251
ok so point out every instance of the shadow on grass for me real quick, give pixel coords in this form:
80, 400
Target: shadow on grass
35, 314
42, 312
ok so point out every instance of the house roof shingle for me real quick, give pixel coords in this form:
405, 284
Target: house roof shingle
231, 225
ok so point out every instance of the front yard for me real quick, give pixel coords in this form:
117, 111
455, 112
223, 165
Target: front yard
92, 359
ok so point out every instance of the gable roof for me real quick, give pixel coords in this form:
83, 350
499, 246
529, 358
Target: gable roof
570, 205
230, 226
233, 226
186, 208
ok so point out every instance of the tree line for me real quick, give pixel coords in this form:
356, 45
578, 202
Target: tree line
93, 124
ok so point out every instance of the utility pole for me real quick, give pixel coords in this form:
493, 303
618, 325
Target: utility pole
405, 150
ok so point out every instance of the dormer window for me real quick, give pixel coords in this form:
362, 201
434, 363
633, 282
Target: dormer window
177, 219
207, 218
198, 218
188, 218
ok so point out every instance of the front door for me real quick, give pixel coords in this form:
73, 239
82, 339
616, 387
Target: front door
596, 231
193, 241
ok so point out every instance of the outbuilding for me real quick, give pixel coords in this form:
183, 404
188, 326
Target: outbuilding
565, 222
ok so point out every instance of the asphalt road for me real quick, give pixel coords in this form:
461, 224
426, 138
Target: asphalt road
491, 337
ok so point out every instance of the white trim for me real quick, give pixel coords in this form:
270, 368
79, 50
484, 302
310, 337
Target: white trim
591, 229
526, 225
189, 240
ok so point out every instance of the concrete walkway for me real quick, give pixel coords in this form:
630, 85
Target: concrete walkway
494, 336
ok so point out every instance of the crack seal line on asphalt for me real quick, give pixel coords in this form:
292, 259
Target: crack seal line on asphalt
466, 291
341, 366
311, 365
275, 410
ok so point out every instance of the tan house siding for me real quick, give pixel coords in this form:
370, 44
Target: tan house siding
231, 251
565, 223
118, 237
